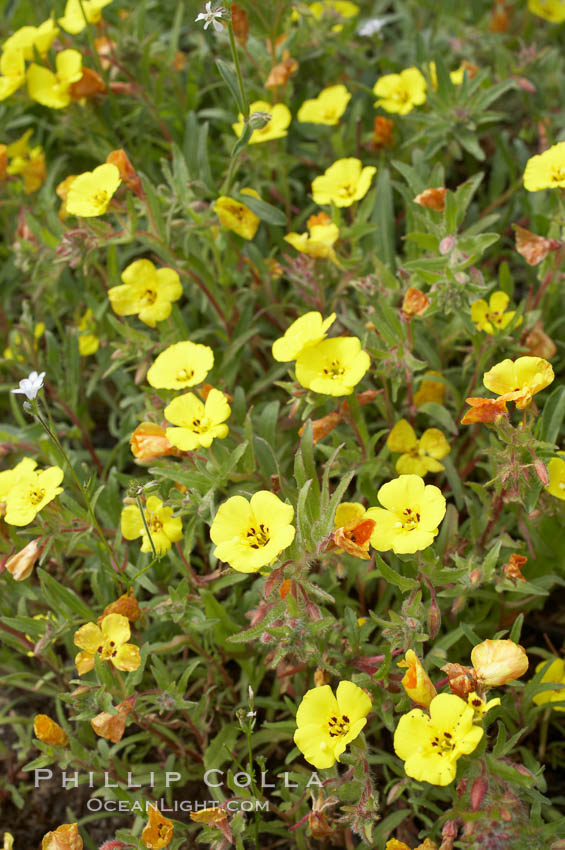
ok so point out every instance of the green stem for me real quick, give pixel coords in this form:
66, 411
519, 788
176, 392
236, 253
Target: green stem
242, 92
146, 527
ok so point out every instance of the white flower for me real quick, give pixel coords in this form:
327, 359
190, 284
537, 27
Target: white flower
30, 386
374, 25
210, 16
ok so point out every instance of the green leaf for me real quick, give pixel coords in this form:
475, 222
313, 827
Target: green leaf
440, 414
552, 416
266, 212
230, 79
391, 576
217, 752
57, 596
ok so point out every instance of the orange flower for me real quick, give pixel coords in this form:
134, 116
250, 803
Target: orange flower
499, 18
127, 605
49, 731
533, 248
158, 831
149, 441
416, 681
89, 85
240, 23
383, 129
539, 344
3, 161
128, 174
433, 199
322, 427
112, 726
484, 410
415, 302
513, 569
354, 537
65, 837
281, 73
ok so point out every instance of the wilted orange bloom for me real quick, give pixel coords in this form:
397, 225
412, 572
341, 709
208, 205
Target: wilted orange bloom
104, 47
513, 569
533, 248
285, 588
321, 677
212, 816
354, 537
484, 410
462, 680
416, 681
49, 731
158, 831
539, 344
179, 61
499, 18
3, 161
21, 564
319, 825
112, 726
415, 302
280, 74
498, 662
65, 837
240, 23
149, 440
322, 427
128, 174
89, 85
127, 605
383, 129
433, 199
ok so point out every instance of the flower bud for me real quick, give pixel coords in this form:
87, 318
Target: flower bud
434, 620
149, 441
497, 662
541, 472
416, 681
114, 845
478, 792
22, 563
49, 731
128, 174
447, 245
65, 837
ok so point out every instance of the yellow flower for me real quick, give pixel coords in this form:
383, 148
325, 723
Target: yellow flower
65, 837
31, 493
430, 746
343, 183
250, 535
401, 92
91, 192
30, 39
556, 470
551, 10
276, 126
31, 165
480, 706
88, 342
306, 331
418, 456
236, 216
352, 530
181, 365
319, 241
147, 291
430, 390
416, 681
199, 423
8, 841
546, 170
348, 512
491, 317
343, 8
326, 108
158, 831
165, 529
54, 90
332, 367
555, 673
498, 662
519, 380
10, 477
20, 566
49, 731
326, 724
75, 18
409, 518
12, 72
456, 76
109, 641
